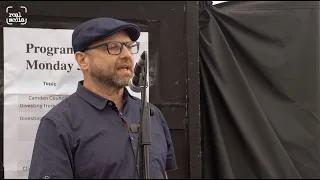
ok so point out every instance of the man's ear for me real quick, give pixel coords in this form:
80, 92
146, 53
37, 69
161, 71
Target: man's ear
83, 60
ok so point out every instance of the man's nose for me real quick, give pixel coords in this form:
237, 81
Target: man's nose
125, 53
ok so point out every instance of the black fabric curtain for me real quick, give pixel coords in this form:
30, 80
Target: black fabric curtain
260, 88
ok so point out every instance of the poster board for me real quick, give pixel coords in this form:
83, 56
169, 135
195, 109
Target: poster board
39, 72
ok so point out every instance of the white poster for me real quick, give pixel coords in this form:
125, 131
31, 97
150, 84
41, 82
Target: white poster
32, 88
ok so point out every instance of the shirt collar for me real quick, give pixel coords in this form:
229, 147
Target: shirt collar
96, 100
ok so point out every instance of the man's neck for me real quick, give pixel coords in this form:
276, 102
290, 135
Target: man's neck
111, 93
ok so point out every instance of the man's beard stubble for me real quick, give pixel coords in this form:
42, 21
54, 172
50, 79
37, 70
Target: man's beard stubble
107, 77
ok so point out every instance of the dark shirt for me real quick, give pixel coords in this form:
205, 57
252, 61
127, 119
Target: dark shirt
84, 136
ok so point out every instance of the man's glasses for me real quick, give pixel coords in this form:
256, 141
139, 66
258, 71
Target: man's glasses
115, 47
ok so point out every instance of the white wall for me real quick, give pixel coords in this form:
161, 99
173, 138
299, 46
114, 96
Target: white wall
217, 2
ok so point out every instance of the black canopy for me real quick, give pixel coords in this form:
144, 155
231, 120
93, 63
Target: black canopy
259, 66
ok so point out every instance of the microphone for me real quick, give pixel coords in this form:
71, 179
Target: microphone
134, 82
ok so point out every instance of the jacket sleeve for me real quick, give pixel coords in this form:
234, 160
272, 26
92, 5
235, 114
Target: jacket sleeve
171, 158
52, 155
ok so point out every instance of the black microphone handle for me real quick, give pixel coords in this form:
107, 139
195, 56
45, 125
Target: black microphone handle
135, 81
137, 70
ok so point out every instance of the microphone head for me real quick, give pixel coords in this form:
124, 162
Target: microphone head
143, 55
142, 59
133, 87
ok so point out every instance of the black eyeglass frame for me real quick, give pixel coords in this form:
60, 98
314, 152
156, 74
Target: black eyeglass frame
121, 48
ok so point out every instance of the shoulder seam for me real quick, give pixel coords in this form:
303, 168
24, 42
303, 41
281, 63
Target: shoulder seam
53, 119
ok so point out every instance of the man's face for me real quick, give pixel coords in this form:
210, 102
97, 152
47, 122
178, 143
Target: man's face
113, 70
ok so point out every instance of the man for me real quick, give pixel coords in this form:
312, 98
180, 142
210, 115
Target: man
87, 135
